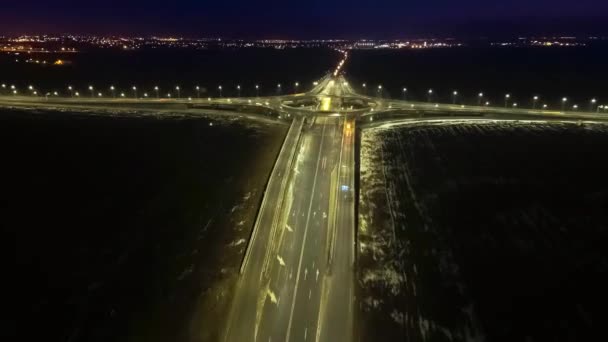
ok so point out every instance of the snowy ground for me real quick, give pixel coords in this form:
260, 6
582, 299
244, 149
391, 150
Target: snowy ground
460, 224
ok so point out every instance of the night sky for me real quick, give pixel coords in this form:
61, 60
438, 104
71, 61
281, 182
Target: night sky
307, 19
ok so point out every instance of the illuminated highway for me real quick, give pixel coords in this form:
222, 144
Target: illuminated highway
297, 275
297, 281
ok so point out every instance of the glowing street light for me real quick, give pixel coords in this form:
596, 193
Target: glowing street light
592, 104
575, 107
296, 85
544, 106
454, 95
564, 100
91, 89
507, 97
198, 92
99, 94
599, 107
156, 90
479, 98
238, 90
71, 91
134, 91
220, 89
515, 105
178, 92
77, 94
279, 88
534, 100
122, 94
113, 90
145, 94
404, 92
429, 95
257, 90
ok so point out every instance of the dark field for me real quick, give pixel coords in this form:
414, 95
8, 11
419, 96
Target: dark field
579, 73
487, 229
168, 68
126, 228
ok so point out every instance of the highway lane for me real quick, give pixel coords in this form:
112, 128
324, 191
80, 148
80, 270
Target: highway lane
297, 297
252, 285
339, 313
297, 280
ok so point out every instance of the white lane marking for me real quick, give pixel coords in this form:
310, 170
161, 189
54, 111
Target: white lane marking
309, 294
305, 332
281, 262
305, 273
317, 278
273, 297
295, 290
289, 229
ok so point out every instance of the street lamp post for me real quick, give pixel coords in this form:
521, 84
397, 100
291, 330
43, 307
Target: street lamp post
178, 92
534, 100
91, 89
507, 97
279, 88
134, 92
156, 90
220, 89
404, 92
113, 91
71, 91
364, 88
429, 95
454, 95
296, 85
257, 90
238, 90
598, 108
198, 92
564, 100
592, 104
479, 98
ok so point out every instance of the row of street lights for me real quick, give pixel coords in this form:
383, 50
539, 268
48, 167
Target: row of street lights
93, 92
482, 101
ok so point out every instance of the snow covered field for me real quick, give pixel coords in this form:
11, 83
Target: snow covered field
483, 230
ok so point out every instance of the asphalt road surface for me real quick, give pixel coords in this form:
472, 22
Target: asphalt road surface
300, 286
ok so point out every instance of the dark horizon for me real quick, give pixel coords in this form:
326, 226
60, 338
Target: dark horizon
270, 19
